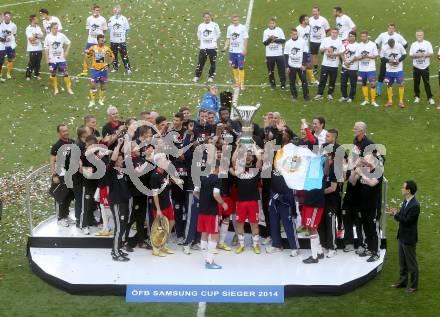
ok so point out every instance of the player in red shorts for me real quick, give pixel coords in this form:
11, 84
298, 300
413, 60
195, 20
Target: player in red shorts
247, 193
314, 201
208, 219
160, 185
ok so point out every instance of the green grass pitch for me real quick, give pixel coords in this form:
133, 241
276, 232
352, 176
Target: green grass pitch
163, 48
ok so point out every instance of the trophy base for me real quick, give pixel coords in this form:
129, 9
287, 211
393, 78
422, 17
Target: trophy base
246, 141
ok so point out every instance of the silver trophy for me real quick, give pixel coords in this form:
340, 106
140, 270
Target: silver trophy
245, 114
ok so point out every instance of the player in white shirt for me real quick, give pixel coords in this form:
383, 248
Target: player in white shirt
273, 39
208, 33
319, 27
8, 33
349, 69
237, 40
394, 53
48, 20
304, 31
421, 52
366, 55
382, 40
95, 25
2, 51
34, 36
295, 52
56, 50
344, 24
332, 49
118, 28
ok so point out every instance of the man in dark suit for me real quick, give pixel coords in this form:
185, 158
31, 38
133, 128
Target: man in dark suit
407, 236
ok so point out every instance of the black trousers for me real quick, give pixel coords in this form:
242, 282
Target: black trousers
408, 265
271, 61
34, 63
265, 199
351, 217
327, 72
203, 56
348, 75
369, 216
424, 75
88, 206
77, 193
122, 49
382, 70
293, 73
62, 207
327, 228
137, 214
120, 218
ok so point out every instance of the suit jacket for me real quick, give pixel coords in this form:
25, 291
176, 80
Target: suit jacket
408, 217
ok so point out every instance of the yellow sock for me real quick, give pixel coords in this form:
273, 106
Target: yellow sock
373, 94
92, 95
241, 74
9, 66
401, 91
102, 94
310, 76
365, 92
54, 81
236, 75
390, 94
67, 82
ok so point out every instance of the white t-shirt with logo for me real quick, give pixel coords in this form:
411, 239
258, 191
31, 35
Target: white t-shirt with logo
383, 38
31, 32
304, 33
274, 49
337, 47
8, 31
393, 53
236, 35
344, 24
95, 26
47, 23
295, 50
367, 49
424, 47
208, 35
350, 55
55, 45
317, 29
118, 26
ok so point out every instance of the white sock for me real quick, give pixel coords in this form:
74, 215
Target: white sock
204, 247
255, 240
104, 215
210, 254
234, 223
223, 231
314, 245
241, 239
318, 245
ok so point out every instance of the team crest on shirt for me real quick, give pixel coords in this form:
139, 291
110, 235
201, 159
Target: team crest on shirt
350, 53
339, 26
393, 55
116, 26
294, 50
333, 48
94, 27
206, 33
365, 53
420, 50
316, 28
56, 45
291, 163
235, 36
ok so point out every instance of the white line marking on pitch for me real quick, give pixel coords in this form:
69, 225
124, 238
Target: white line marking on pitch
20, 3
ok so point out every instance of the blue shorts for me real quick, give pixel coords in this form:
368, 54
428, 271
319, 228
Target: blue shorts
99, 76
398, 77
367, 76
60, 67
10, 53
236, 60
308, 58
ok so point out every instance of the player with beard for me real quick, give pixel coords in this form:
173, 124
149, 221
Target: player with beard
208, 34
208, 222
95, 25
304, 32
349, 69
366, 54
237, 41
273, 39
332, 49
295, 55
8, 33
62, 207
319, 27
119, 28
247, 170
394, 53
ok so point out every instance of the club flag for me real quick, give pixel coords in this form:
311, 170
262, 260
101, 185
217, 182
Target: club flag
301, 168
